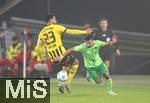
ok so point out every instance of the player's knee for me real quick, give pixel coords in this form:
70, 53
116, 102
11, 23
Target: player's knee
107, 76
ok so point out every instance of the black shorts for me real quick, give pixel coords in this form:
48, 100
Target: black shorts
67, 60
105, 53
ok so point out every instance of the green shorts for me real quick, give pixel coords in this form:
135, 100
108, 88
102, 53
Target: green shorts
96, 72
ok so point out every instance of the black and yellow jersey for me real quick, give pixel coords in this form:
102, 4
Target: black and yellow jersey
50, 37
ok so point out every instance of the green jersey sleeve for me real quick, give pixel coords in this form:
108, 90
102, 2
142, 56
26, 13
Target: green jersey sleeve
100, 43
79, 48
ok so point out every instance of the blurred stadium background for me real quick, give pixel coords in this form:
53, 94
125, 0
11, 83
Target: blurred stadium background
134, 45
129, 19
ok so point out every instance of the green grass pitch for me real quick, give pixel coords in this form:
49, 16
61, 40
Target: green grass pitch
130, 89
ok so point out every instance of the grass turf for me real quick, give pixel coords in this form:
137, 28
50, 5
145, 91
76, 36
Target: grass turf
130, 89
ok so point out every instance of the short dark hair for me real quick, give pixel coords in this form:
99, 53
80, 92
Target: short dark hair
103, 19
49, 16
89, 37
87, 25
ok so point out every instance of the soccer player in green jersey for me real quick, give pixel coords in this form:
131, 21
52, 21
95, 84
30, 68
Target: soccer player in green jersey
93, 63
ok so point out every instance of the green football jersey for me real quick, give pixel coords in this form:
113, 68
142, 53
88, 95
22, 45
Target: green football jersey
91, 55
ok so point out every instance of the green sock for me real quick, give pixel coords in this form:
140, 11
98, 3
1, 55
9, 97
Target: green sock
109, 84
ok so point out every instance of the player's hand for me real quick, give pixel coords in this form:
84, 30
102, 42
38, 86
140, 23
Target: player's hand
89, 30
58, 58
114, 39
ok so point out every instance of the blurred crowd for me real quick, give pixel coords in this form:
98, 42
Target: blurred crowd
36, 65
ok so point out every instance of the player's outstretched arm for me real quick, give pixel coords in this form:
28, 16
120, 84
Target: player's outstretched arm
69, 51
59, 58
78, 32
78, 48
63, 29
